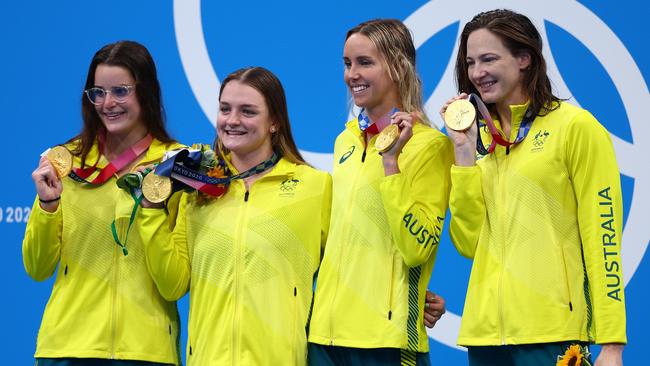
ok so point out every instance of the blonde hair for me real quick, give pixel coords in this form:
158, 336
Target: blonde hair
395, 43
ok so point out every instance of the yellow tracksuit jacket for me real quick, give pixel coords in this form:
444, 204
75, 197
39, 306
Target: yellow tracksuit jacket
103, 304
543, 225
248, 260
382, 243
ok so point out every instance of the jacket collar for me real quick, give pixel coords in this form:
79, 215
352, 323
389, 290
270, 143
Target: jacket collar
283, 168
154, 153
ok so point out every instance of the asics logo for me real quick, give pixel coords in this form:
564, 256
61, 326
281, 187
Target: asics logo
347, 154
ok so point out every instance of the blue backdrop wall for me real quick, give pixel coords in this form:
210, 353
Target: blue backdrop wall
597, 53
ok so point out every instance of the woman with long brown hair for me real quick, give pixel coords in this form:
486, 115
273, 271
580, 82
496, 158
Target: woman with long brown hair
249, 257
105, 308
540, 214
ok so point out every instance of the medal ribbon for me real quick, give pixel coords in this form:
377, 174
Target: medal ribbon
497, 135
115, 165
365, 124
183, 167
132, 183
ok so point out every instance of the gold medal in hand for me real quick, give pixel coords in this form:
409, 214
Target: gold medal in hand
387, 138
156, 188
61, 160
460, 115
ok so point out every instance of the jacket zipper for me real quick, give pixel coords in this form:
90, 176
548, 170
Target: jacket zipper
239, 240
116, 263
348, 212
503, 196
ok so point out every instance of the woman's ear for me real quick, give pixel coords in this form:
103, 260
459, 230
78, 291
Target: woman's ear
524, 61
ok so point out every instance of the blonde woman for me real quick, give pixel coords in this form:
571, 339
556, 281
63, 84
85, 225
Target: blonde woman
387, 211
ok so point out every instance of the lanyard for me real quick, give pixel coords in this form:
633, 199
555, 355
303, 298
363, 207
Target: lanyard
497, 135
183, 167
114, 166
368, 126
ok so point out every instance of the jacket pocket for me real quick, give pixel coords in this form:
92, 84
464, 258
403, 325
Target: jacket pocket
389, 297
296, 326
567, 286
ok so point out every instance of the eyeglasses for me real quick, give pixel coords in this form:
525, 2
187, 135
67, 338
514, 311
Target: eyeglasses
119, 93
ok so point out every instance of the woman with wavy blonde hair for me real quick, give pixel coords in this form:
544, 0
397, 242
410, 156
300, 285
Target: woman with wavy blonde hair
388, 209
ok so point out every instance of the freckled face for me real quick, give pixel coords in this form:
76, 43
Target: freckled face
494, 71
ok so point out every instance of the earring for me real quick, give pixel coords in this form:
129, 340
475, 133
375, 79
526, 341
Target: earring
272, 129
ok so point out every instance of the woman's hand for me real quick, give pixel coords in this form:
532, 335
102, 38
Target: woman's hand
434, 307
464, 141
610, 355
404, 121
144, 170
48, 185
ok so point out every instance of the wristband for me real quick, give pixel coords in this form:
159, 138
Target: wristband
49, 201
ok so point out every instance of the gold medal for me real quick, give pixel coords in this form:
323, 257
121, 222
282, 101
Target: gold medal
61, 160
387, 138
156, 188
460, 115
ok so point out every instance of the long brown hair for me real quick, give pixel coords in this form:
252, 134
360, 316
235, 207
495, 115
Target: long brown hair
136, 59
394, 42
519, 36
265, 82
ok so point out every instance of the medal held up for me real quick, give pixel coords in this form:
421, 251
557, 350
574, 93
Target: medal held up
61, 160
461, 113
387, 133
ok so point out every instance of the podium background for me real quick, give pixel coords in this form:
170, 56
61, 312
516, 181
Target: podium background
47, 46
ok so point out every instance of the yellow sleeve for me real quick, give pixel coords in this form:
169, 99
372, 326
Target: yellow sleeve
326, 211
467, 209
591, 161
42, 242
416, 200
166, 250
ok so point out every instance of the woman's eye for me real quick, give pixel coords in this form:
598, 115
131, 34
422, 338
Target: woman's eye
365, 62
249, 112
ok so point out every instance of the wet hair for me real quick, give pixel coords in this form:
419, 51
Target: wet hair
394, 42
519, 36
135, 58
265, 82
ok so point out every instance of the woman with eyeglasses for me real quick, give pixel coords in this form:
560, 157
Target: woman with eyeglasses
249, 257
105, 308
540, 215
388, 208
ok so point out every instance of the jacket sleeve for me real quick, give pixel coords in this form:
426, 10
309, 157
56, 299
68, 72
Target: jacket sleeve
467, 208
166, 250
326, 211
593, 170
42, 242
416, 200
